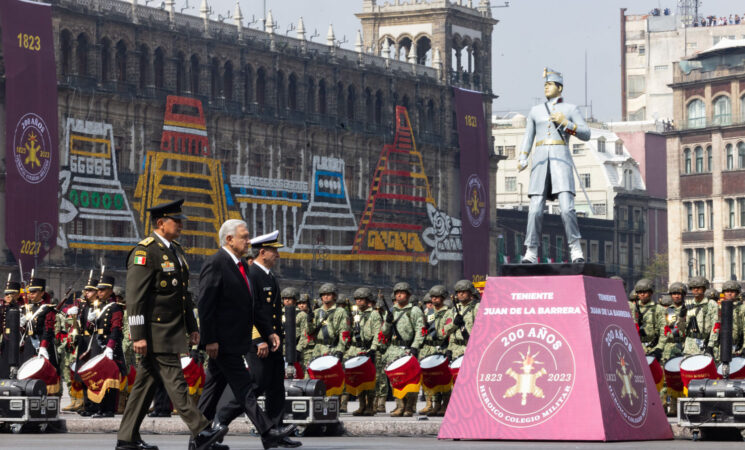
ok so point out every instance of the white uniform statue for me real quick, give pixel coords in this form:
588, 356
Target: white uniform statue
552, 169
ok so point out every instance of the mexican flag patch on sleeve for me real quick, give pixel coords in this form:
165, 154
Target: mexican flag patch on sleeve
140, 260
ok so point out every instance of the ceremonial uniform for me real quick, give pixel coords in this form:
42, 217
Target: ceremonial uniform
10, 332
85, 321
305, 340
40, 331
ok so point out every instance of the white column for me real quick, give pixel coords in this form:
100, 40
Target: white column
263, 218
253, 227
284, 224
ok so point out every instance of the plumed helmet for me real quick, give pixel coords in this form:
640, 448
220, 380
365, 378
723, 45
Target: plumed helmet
463, 285
698, 282
438, 290
328, 288
645, 284
363, 292
402, 286
731, 285
678, 288
290, 292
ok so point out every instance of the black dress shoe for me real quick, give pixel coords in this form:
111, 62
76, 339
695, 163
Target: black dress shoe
102, 415
86, 413
219, 446
139, 445
288, 443
160, 414
208, 436
275, 436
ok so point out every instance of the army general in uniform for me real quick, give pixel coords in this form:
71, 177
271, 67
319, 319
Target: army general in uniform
160, 319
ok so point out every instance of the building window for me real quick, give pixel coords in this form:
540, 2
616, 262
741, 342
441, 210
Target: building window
499, 149
708, 158
687, 158
601, 145
636, 86
699, 159
741, 205
619, 148
731, 214
689, 216
519, 240
730, 157
509, 151
599, 209
559, 248
608, 253
722, 111
510, 184
742, 262
577, 148
710, 252
701, 215
701, 260
696, 114
741, 155
732, 259
710, 208
691, 262
585, 180
594, 251
742, 105
641, 50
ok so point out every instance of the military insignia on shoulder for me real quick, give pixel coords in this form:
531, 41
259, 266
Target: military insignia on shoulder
140, 253
140, 260
147, 241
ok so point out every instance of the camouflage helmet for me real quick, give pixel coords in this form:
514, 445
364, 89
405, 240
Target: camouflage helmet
426, 298
304, 298
678, 288
438, 290
289, 292
402, 286
342, 301
463, 285
414, 299
712, 294
632, 295
363, 292
328, 288
645, 284
665, 300
731, 285
698, 282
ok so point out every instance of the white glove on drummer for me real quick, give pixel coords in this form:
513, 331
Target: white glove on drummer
109, 352
72, 311
92, 315
24, 321
43, 353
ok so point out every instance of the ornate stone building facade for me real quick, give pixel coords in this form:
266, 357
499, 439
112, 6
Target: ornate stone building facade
351, 155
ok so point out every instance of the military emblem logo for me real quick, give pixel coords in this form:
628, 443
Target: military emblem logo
475, 200
525, 375
32, 147
624, 376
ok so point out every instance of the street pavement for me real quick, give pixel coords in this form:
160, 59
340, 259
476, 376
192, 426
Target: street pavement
173, 442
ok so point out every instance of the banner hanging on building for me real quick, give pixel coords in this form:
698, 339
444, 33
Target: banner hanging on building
474, 182
31, 139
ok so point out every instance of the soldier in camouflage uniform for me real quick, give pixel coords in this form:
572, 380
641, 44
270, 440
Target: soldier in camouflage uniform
733, 288
305, 341
404, 327
730, 291
366, 323
463, 314
700, 320
381, 346
436, 342
646, 311
331, 328
672, 320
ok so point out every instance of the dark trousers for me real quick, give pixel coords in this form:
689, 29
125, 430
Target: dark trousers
162, 404
229, 370
269, 376
108, 404
154, 367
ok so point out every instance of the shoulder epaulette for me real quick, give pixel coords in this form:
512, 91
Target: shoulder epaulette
176, 242
147, 241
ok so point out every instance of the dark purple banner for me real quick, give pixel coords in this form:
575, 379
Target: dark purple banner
31, 139
474, 182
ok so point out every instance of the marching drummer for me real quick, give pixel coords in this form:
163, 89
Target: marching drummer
671, 321
381, 346
700, 320
306, 341
365, 326
436, 341
463, 314
39, 323
86, 328
404, 328
738, 316
12, 292
331, 328
109, 338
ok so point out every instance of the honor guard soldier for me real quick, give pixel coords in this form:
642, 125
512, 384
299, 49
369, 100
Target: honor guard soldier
463, 314
306, 340
365, 326
86, 325
436, 342
700, 320
161, 317
404, 327
646, 311
331, 327
671, 321
40, 322
381, 347
10, 331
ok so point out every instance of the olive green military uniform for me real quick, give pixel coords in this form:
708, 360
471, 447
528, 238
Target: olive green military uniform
365, 326
671, 320
332, 331
405, 332
304, 341
160, 312
457, 340
436, 341
380, 344
700, 320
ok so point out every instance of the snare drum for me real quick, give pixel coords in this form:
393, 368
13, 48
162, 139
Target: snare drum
455, 367
100, 374
330, 370
39, 368
657, 373
194, 374
359, 374
405, 376
696, 367
436, 375
672, 374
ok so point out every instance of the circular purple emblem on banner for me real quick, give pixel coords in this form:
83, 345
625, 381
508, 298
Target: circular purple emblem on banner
475, 200
624, 377
32, 146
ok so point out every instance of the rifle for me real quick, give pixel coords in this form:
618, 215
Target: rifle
466, 335
394, 326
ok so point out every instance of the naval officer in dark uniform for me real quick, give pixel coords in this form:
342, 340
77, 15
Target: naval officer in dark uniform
161, 318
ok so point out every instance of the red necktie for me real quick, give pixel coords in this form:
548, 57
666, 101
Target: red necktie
245, 278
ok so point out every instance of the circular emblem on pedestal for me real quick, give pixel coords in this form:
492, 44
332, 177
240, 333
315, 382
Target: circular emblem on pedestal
525, 375
624, 376
32, 148
475, 200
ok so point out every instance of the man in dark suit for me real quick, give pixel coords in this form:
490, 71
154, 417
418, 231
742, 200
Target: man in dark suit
265, 359
226, 313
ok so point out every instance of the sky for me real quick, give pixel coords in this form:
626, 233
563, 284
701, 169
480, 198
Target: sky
530, 35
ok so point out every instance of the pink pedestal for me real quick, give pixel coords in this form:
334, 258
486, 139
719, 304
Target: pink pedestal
555, 358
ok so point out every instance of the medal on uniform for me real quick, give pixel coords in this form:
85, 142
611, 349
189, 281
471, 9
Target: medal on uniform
168, 266
174, 282
165, 257
163, 283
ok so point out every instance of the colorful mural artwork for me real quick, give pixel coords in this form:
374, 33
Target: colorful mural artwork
92, 201
315, 218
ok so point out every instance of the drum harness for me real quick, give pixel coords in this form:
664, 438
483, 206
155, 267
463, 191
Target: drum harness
358, 341
394, 325
431, 326
693, 330
30, 323
325, 338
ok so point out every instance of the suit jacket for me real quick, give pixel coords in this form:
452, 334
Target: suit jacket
269, 308
226, 308
158, 304
550, 153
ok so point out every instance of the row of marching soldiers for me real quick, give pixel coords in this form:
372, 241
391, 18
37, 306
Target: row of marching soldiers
376, 345
684, 322
50, 341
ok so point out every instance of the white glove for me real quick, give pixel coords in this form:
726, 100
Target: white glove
24, 321
92, 315
72, 311
522, 164
43, 352
109, 352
